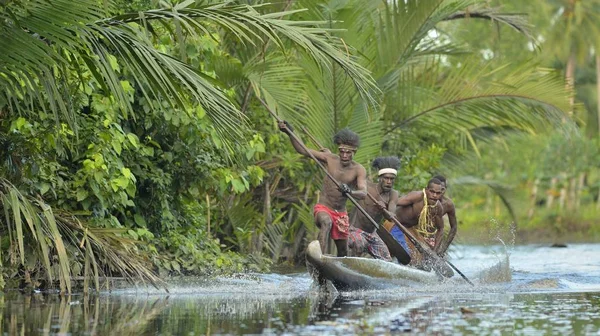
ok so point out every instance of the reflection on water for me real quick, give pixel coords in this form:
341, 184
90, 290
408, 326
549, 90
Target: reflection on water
561, 299
348, 313
52, 314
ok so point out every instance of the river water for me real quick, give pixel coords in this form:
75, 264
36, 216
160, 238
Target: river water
527, 290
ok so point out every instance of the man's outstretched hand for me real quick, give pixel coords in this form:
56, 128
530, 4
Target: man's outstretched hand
285, 127
345, 189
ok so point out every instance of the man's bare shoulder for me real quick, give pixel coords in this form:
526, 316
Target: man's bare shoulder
411, 198
358, 167
448, 203
414, 193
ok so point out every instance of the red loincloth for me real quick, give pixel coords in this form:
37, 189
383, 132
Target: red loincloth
340, 222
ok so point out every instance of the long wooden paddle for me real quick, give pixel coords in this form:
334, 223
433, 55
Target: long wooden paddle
405, 257
393, 244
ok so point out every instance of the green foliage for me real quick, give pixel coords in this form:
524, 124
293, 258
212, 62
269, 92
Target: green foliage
147, 135
191, 253
128, 121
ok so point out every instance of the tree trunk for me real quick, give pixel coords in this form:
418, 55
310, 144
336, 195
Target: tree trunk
572, 195
598, 201
563, 191
570, 82
598, 87
562, 197
533, 198
268, 216
488, 195
208, 215
580, 185
551, 192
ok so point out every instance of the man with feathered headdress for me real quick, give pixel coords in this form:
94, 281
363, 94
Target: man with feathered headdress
330, 212
363, 237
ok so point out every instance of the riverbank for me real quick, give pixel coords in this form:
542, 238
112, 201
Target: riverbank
544, 227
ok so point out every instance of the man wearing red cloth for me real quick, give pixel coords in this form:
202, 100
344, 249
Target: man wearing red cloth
330, 212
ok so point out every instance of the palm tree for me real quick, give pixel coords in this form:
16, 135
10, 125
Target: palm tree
426, 80
52, 52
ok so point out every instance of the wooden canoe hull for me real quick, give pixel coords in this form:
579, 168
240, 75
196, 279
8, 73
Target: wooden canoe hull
352, 273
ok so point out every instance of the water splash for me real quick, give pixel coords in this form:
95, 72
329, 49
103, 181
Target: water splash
501, 271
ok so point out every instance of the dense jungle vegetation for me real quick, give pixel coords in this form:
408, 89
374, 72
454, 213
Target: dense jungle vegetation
136, 140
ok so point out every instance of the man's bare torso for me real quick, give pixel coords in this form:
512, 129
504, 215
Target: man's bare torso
359, 220
330, 194
408, 215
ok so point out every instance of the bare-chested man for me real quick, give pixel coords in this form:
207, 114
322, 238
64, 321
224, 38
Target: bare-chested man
450, 211
363, 237
422, 210
330, 213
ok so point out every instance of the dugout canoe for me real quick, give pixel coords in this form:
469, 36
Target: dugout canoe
354, 273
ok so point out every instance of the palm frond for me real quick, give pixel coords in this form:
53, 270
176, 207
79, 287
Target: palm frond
250, 26
273, 239
472, 95
61, 235
370, 128
280, 82
39, 51
516, 21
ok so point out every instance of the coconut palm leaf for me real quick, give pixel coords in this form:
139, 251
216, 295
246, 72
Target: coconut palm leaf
473, 95
35, 69
273, 238
66, 237
401, 56
279, 82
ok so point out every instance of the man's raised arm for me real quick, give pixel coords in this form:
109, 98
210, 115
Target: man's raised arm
439, 234
453, 227
286, 128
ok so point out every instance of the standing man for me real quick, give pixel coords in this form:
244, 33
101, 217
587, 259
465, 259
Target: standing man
450, 211
363, 237
422, 211
330, 213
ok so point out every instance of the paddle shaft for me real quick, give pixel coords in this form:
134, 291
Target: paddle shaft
337, 184
421, 246
321, 147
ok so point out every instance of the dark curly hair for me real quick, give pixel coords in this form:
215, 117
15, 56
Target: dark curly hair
386, 162
346, 137
433, 181
442, 179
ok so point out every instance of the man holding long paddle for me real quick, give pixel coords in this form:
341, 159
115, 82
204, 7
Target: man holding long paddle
345, 190
363, 237
330, 213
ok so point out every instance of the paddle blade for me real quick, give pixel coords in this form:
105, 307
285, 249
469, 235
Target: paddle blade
396, 250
